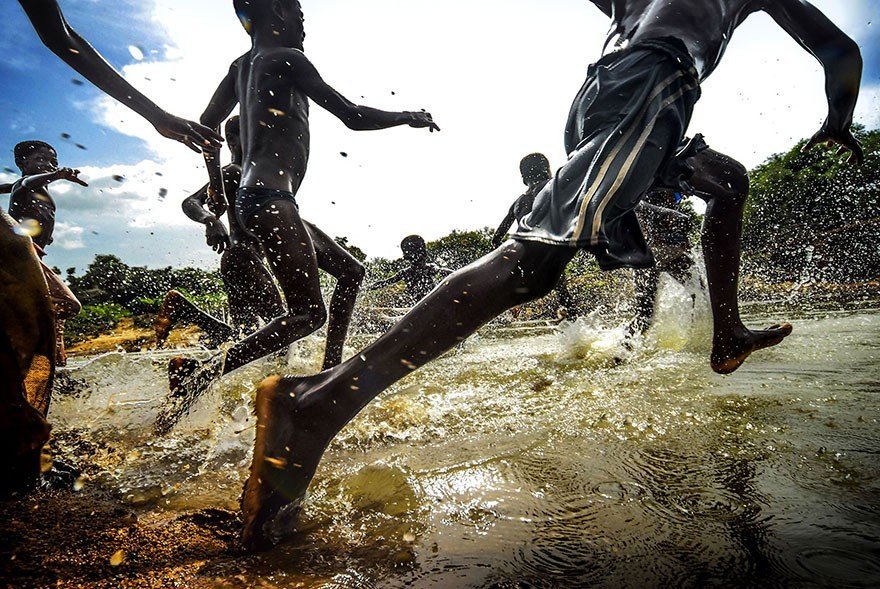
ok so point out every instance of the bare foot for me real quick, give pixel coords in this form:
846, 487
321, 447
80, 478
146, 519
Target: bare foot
166, 319
729, 354
291, 438
188, 379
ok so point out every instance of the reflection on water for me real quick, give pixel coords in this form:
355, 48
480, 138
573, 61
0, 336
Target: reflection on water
558, 459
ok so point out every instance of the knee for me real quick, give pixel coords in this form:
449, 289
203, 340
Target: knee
354, 275
735, 184
315, 316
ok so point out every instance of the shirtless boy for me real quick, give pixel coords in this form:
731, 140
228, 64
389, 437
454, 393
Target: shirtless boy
621, 136
420, 276
273, 83
32, 206
252, 295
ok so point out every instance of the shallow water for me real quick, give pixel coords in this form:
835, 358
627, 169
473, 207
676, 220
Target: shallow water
544, 457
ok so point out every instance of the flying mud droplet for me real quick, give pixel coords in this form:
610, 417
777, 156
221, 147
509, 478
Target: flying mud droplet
163, 192
343, 153
136, 52
76, 82
81, 146
119, 177
65, 135
9, 170
393, 93
276, 112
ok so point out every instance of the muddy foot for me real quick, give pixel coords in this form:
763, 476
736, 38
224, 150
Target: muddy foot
166, 319
728, 355
289, 444
188, 380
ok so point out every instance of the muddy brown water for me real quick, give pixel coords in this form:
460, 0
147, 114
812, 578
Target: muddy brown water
528, 457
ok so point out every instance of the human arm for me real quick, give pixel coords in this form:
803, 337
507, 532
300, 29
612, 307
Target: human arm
37, 181
387, 282
841, 59
354, 116
222, 103
215, 232
501, 232
65, 42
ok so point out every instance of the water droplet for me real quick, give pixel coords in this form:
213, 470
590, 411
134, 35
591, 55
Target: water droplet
136, 52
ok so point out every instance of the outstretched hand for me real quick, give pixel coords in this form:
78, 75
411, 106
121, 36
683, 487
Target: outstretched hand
844, 139
70, 175
195, 136
422, 119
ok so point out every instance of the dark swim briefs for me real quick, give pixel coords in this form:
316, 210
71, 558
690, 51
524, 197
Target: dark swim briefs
623, 132
250, 201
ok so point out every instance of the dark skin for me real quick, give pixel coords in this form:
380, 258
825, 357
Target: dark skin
298, 417
251, 292
66, 43
419, 276
39, 168
273, 84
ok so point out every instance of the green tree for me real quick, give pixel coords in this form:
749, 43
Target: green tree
812, 215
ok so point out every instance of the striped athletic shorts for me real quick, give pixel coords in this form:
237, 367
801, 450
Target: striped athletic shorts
624, 128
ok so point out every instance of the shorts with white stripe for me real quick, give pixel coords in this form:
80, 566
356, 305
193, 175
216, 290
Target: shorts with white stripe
623, 130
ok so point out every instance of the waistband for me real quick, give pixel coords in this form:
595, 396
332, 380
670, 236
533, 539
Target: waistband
671, 47
261, 192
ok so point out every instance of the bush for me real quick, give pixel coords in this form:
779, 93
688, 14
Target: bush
93, 321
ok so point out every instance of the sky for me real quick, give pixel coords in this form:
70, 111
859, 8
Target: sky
498, 76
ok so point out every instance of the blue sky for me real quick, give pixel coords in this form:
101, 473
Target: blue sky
766, 95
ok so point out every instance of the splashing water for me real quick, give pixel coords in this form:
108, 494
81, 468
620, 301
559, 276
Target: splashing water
550, 458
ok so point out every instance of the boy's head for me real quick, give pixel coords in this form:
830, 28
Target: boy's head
414, 248
534, 168
232, 130
35, 157
281, 19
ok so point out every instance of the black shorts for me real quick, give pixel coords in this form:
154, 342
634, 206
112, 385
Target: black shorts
250, 201
624, 129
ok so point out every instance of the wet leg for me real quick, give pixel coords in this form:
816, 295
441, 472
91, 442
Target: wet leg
645, 283
349, 274
723, 183
250, 290
297, 417
176, 308
66, 306
291, 255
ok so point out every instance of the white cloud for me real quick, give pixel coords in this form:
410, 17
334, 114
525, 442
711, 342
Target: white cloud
68, 237
498, 76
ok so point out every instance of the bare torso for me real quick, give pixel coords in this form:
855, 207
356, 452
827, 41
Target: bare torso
274, 122
704, 26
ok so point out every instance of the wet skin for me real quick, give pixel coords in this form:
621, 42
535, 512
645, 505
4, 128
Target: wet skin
297, 417
251, 292
273, 84
29, 202
50, 24
419, 277
27, 332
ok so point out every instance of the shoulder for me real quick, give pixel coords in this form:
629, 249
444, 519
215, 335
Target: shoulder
282, 58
